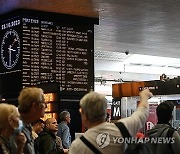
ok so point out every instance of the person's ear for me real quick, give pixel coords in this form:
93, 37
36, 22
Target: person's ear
34, 106
85, 119
47, 125
36, 125
85, 116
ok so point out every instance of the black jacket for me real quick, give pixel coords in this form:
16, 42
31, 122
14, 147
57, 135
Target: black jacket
165, 145
46, 143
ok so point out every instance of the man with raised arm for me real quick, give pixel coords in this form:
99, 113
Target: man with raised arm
104, 136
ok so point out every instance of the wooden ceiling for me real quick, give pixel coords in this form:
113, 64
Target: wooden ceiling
73, 7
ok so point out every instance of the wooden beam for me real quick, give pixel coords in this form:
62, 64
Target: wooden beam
72, 7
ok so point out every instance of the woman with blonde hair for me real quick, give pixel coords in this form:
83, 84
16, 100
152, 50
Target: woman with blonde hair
10, 124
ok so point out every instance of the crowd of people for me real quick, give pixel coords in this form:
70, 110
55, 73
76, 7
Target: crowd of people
22, 131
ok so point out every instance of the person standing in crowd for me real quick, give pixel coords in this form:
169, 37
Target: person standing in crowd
163, 129
102, 135
63, 129
37, 127
46, 143
9, 124
31, 107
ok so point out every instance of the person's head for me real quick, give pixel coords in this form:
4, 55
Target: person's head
138, 148
51, 125
65, 116
164, 111
38, 126
31, 102
9, 117
93, 108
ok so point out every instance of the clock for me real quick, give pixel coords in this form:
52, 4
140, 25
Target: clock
10, 49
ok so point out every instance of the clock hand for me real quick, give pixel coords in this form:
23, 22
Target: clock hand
10, 54
14, 42
11, 49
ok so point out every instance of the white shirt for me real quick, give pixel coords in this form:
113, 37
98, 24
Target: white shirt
107, 138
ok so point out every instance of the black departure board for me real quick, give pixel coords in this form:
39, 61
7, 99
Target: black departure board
51, 50
49, 47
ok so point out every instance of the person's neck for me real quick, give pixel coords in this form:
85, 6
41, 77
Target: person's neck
52, 131
27, 118
65, 122
95, 123
35, 130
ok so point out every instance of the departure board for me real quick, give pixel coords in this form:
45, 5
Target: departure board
53, 49
56, 51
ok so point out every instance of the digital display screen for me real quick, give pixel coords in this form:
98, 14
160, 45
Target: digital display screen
52, 47
52, 50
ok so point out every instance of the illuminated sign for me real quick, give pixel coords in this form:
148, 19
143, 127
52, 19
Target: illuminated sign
50, 115
51, 101
50, 97
49, 107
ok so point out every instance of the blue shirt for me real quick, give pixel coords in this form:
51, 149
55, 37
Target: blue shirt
64, 134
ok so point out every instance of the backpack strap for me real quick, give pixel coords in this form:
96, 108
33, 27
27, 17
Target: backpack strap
125, 133
168, 135
89, 145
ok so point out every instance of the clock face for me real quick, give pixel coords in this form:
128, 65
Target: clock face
10, 49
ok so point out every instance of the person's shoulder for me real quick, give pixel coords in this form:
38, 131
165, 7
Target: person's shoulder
176, 134
75, 146
48, 139
76, 141
44, 135
62, 124
178, 130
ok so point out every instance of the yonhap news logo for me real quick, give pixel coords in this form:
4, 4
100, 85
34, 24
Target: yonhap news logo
104, 139
159, 140
152, 140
